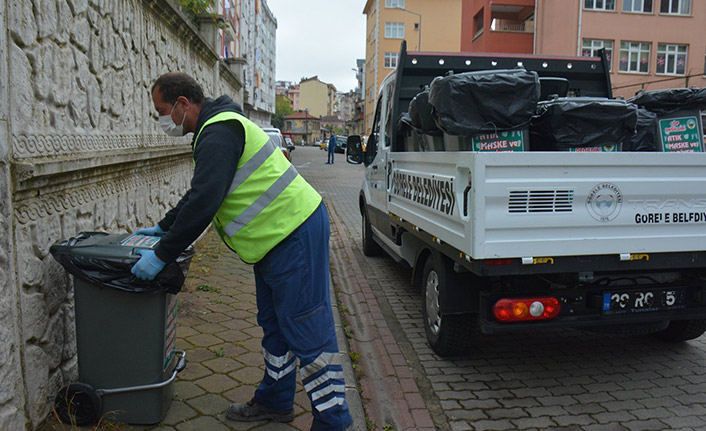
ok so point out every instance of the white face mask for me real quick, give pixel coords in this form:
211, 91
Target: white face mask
169, 126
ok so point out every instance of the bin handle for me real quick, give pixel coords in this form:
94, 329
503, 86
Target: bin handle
181, 364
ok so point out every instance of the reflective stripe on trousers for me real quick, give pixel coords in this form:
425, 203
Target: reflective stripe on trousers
323, 381
279, 366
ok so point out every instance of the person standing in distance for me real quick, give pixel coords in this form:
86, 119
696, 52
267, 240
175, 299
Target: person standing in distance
243, 185
331, 148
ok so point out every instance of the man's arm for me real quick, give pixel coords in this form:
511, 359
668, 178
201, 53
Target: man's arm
171, 215
217, 153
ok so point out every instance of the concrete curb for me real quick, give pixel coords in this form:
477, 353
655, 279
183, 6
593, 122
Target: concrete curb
390, 394
355, 402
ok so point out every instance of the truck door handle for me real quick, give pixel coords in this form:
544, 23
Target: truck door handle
375, 167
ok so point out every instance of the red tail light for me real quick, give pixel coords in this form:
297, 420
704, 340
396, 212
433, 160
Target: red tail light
526, 309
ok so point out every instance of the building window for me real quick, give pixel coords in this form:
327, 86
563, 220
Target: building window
394, 30
675, 7
390, 60
640, 6
599, 4
671, 59
478, 24
634, 57
394, 4
592, 46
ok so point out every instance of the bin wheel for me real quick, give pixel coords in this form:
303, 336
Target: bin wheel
78, 404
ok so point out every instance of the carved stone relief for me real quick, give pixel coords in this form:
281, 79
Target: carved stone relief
80, 150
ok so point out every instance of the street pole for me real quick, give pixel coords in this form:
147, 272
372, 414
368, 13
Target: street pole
306, 124
419, 41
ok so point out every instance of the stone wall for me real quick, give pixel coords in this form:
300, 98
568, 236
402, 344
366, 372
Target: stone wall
80, 150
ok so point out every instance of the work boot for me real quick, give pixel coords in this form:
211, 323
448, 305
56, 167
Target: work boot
253, 412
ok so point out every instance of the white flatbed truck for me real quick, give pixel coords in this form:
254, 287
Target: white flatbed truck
501, 241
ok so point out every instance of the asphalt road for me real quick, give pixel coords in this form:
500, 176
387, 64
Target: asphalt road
553, 380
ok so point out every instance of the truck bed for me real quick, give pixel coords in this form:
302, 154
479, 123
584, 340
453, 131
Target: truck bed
514, 205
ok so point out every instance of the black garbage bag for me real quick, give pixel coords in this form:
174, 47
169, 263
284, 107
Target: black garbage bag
98, 258
420, 113
579, 122
471, 103
664, 102
645, 137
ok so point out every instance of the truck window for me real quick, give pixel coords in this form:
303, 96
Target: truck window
389, 129
372, 145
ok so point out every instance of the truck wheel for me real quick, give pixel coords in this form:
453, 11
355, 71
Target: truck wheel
682, 330
447, 334
370, 247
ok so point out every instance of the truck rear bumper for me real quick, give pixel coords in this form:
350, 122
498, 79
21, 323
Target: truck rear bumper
594, 308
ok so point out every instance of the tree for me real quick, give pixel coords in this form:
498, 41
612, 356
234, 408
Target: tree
283, 107
197, 8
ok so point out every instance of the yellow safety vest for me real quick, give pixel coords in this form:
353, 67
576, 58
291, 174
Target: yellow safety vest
267, 199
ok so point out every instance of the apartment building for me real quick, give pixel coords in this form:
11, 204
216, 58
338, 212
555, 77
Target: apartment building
346, 105
290, 91
229, 34
249, 37
651, 44
260, 29
317, 97
426, 25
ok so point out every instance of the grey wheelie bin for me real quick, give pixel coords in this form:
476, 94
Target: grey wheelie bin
125, 331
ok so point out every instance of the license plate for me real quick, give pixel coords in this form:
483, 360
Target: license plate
643, 300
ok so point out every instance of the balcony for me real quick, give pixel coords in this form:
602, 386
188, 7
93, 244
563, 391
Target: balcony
510, 26
505, 28
511, 18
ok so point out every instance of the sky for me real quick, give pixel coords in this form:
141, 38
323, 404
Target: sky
319, 37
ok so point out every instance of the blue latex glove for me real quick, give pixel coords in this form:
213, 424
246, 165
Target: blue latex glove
153, 231
148, 266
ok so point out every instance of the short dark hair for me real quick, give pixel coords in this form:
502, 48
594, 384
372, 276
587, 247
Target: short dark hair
174, 84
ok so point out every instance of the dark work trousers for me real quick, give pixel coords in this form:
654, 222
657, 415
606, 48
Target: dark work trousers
331, 152
294, 311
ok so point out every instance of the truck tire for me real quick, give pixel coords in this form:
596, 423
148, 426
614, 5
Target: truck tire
682, 330
447, 334
370, 247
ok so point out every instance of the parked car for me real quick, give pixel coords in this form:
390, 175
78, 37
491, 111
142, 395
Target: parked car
278, 140
341, 143
288, 139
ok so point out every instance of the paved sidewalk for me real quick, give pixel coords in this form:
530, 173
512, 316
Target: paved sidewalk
217, 328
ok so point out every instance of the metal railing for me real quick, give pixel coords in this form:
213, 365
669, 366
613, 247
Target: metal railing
523, 27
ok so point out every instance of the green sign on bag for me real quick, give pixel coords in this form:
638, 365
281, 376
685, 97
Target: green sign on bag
502, 141
680, 134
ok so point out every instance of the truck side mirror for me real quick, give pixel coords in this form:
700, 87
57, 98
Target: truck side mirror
354, 150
